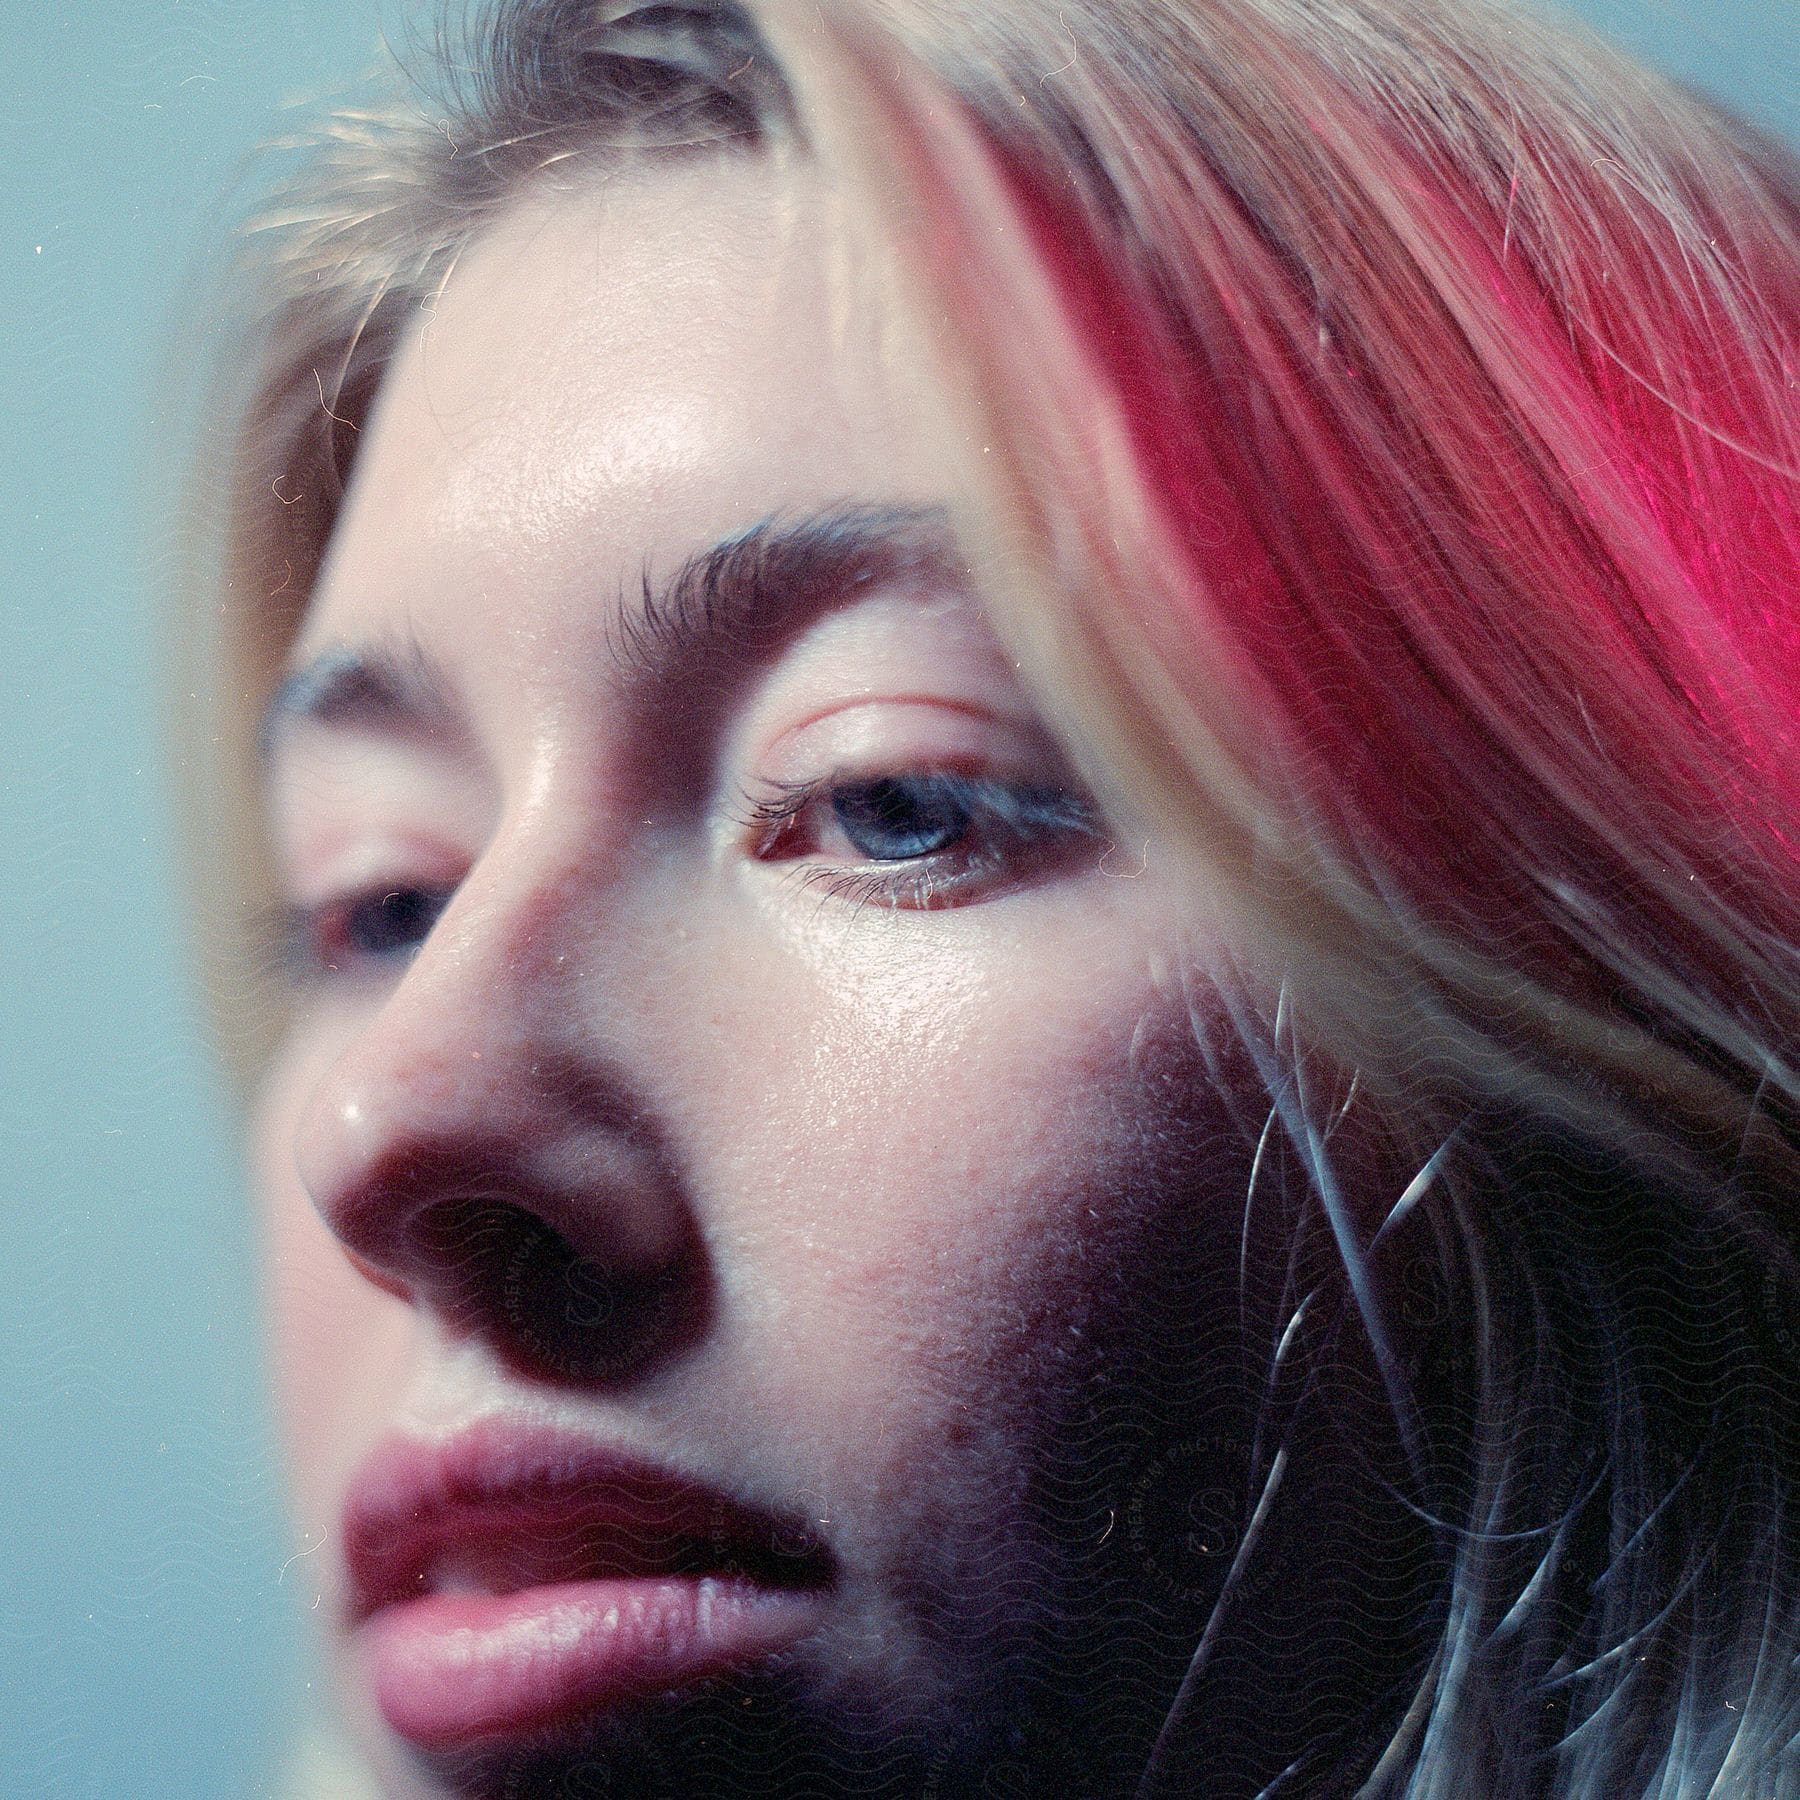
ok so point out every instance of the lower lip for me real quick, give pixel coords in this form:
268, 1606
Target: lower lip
451, 1670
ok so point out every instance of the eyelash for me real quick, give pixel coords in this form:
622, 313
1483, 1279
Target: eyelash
1010, 831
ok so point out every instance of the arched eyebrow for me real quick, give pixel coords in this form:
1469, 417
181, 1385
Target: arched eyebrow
385, 686
735, 604
745, 598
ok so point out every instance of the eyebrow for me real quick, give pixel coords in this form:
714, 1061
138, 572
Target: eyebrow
736, 604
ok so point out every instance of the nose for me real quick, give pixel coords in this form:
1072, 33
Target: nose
479, 1149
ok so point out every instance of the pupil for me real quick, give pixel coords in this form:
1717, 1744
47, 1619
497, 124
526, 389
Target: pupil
891, 820
396, 921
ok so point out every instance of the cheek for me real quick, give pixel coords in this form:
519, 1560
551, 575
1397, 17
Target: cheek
946, 1141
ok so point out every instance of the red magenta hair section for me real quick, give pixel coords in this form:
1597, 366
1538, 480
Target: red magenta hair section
1481, 478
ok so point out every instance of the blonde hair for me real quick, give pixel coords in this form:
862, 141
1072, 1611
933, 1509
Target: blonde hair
1390, 479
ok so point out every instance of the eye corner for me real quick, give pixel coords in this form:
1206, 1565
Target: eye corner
769, 811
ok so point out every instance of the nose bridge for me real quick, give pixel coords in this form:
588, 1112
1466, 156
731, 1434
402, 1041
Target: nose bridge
480, 1143
458, 1048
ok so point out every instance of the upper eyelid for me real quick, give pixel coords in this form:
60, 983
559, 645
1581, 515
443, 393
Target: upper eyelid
912, 726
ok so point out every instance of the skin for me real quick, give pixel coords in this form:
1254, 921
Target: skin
962, 1201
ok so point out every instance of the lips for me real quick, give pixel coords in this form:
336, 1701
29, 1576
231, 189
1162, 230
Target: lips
511, 1580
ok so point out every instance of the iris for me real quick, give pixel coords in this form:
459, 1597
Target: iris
390, 924
895, 818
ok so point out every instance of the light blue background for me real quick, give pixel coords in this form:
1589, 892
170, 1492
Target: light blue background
149, 1612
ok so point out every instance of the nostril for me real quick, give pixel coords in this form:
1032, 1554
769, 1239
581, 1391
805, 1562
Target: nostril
533, 1206
502, 1271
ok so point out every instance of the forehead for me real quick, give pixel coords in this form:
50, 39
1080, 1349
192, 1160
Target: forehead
616, 376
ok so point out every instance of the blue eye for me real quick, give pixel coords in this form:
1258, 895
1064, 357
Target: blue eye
392, 923
901, 816
923, 841
366, 930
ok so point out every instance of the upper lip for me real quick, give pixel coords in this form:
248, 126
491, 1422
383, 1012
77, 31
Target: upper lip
512, 1506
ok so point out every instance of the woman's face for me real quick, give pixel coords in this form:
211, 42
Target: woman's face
752, 1236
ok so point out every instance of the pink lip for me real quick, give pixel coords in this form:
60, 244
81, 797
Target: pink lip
512, 1580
